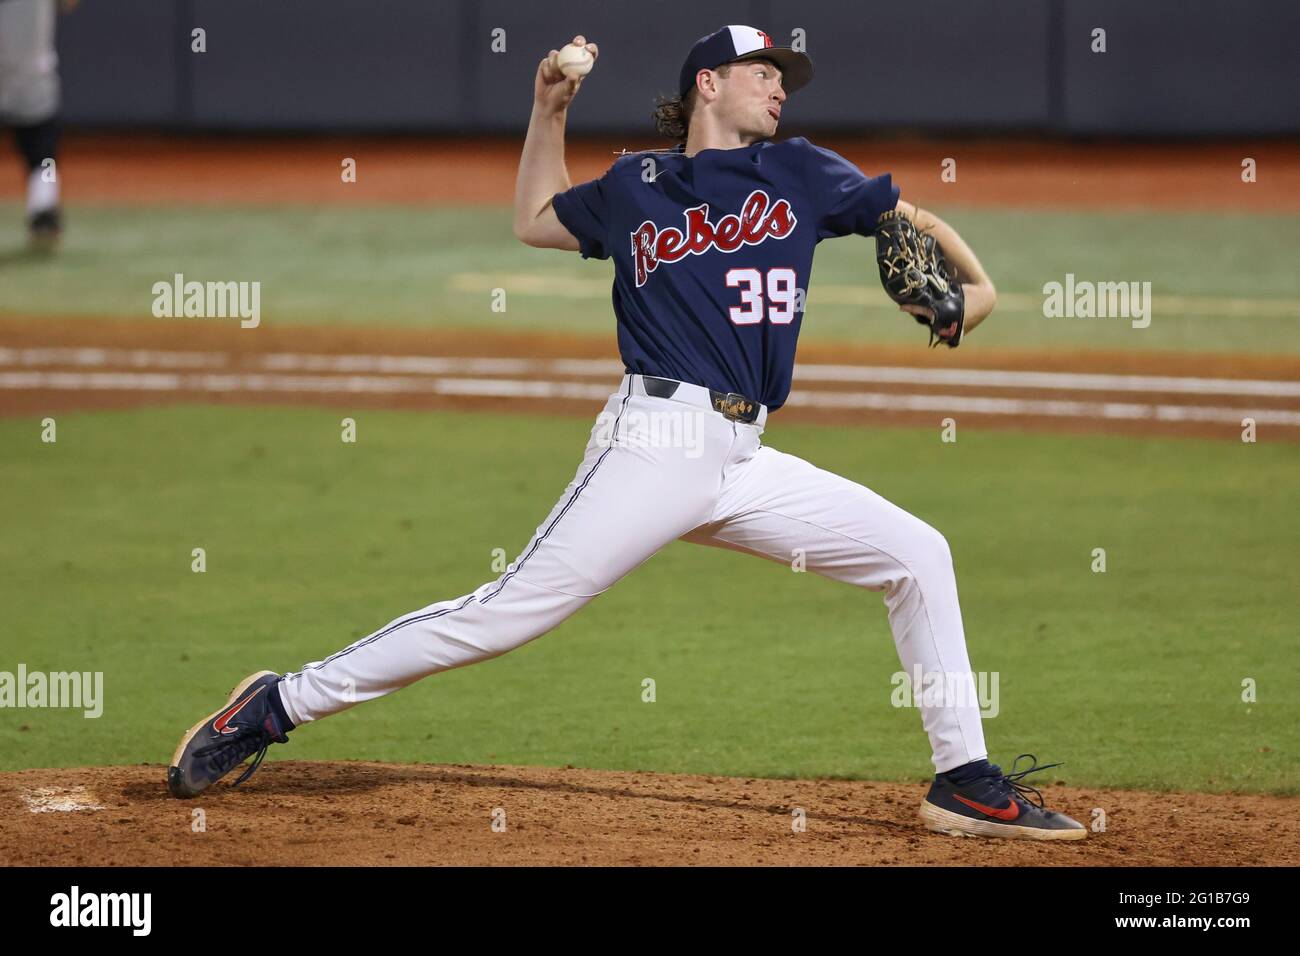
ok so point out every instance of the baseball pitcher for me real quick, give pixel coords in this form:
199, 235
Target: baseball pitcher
713, 246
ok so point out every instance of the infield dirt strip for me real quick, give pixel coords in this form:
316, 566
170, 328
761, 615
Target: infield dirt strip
341, 813
50, 365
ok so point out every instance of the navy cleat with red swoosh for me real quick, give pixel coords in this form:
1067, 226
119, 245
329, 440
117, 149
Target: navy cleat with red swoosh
980, 800
244, 727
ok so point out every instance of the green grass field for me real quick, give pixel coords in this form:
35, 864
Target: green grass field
1220, 282
1133, 677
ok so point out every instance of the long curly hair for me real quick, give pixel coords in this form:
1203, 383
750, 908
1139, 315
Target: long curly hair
672, 114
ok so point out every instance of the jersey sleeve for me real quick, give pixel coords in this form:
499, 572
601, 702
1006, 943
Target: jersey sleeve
847, 200
584, 210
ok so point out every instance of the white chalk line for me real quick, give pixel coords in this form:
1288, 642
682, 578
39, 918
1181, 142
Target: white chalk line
511, 388
1027, 408
1047, 381
604, 368
99, 357
259, 382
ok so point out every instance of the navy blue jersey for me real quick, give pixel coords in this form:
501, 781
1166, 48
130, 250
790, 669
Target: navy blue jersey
712, 258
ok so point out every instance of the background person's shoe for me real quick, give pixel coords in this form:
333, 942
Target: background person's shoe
44, 230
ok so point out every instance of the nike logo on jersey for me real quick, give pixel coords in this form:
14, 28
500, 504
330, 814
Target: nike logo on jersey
759, 219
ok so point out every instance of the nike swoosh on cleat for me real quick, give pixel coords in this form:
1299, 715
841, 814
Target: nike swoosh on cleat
1007, 813
220, 724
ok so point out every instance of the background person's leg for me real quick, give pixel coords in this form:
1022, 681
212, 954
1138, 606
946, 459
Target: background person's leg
30, 97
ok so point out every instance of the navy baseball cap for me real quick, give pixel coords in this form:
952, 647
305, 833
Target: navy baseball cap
733, 44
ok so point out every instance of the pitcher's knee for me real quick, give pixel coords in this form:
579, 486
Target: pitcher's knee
935, 548
928, 559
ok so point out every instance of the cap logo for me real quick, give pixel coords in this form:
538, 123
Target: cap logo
767, 40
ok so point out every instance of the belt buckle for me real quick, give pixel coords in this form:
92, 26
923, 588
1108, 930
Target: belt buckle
734, 407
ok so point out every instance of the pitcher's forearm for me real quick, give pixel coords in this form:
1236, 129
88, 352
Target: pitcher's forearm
981, 296
542, 173
980, 300
954, 247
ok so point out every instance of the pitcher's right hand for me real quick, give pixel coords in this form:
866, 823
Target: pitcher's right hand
552, 90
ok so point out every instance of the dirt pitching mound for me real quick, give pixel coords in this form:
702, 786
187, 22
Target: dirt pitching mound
379, 814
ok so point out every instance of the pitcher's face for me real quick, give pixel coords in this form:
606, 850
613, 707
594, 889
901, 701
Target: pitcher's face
751, 97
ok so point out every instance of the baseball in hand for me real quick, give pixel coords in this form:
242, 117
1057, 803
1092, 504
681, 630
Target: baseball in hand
574, 61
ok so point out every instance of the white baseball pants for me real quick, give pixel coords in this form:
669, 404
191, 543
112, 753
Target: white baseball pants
655, 470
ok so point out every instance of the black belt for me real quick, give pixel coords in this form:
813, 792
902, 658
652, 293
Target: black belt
730, 405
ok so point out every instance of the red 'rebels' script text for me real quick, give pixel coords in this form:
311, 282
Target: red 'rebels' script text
759, 218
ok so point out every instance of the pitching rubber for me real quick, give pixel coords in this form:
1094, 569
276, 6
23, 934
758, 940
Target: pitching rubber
954, 824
